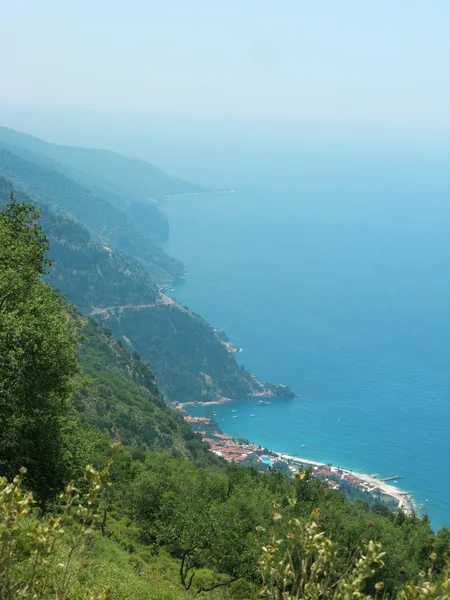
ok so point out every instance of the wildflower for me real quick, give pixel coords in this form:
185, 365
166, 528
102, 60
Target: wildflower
276, 517
379, 586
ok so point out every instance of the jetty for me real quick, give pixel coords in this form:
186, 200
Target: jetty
369, 484
392, 478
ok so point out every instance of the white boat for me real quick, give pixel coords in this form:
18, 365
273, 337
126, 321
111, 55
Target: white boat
235, 417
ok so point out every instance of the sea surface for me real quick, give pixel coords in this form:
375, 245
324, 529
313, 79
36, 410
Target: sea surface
329, 266
331, 270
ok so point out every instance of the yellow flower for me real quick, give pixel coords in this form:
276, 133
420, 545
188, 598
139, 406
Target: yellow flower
276, 517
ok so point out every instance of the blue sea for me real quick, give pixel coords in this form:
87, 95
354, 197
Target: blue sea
329, 267
331, 270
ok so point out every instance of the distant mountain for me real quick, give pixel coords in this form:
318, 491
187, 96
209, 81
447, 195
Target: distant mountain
107, 224
131, 184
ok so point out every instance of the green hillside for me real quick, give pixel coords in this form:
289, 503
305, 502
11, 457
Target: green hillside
107, 224
159, 517
121, 398
131, 184
189, 358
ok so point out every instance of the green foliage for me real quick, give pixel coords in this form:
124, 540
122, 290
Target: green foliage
188, 357
121, 397
38, 336
175, 510
206, 517
92, 276
305, 563
22, 573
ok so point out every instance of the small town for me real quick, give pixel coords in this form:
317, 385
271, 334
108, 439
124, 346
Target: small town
354, 485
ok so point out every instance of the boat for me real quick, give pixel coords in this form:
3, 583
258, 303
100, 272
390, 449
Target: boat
234, 410
303, 445
252, 415
263, 402
235, 417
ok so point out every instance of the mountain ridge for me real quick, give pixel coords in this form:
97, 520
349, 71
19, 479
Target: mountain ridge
187, 355
131, 184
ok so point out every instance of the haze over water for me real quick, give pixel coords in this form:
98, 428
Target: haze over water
332, 270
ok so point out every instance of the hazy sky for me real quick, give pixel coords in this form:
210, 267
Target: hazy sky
384, 61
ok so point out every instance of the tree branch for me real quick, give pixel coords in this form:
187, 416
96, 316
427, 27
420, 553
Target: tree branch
217, 585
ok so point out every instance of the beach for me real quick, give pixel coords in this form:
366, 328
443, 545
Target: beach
233, 450
370, 483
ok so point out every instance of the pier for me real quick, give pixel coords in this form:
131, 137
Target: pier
392, 478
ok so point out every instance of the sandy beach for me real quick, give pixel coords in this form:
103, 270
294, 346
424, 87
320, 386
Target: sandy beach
402, 498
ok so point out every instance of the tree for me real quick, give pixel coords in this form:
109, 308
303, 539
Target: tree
210, 525
38, 365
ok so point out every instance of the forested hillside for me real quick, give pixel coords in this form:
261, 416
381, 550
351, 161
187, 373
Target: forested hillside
160, 517
126, 182
106, 223
190, 360
121, 398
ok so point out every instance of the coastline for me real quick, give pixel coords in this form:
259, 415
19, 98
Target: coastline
403, 498
237, 452
206, 193
338, 478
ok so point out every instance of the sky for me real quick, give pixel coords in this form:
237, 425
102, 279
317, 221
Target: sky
385, 63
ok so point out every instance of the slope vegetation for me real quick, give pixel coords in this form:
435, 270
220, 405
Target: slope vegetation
132, 185
190, 360
106, 223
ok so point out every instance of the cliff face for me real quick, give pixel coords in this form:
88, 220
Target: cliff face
191, 362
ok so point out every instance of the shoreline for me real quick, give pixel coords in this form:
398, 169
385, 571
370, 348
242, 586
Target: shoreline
206, 193
403, 498
233, 450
